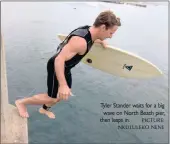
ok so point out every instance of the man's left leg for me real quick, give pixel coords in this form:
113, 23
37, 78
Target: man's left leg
45, 108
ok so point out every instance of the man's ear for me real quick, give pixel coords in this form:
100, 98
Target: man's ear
103, 27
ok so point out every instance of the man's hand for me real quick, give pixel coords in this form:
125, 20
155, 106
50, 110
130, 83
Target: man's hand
103, 43
64, 92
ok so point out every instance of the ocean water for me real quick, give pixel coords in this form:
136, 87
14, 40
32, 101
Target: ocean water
30, 35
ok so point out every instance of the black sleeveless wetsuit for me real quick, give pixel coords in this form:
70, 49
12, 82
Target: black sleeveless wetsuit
52, 82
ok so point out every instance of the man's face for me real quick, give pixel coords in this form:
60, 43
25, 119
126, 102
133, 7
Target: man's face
107, 33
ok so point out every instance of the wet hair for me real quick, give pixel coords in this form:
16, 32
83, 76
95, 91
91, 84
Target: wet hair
108, 18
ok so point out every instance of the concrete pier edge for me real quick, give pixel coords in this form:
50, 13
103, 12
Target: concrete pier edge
13, 127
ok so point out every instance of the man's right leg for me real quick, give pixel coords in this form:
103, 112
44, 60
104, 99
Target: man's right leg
52, 92
34, 100
45, 108
52, 89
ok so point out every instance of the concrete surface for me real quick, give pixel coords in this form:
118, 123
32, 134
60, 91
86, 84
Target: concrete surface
13, 127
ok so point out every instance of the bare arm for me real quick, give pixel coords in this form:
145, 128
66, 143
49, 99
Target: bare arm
76, 45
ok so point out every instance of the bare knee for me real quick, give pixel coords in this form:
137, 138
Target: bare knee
44, 97
56, 100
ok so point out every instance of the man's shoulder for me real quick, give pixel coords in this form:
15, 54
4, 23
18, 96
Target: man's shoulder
83, 30
77, 40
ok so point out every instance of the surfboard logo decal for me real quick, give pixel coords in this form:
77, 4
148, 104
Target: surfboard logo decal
127, 67
89, 60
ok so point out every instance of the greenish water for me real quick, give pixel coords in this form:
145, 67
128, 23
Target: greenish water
30, 34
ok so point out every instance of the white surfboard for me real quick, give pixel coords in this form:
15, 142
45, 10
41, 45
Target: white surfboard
118, 62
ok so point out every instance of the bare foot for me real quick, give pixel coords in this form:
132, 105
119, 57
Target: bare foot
48, 113
21, 109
